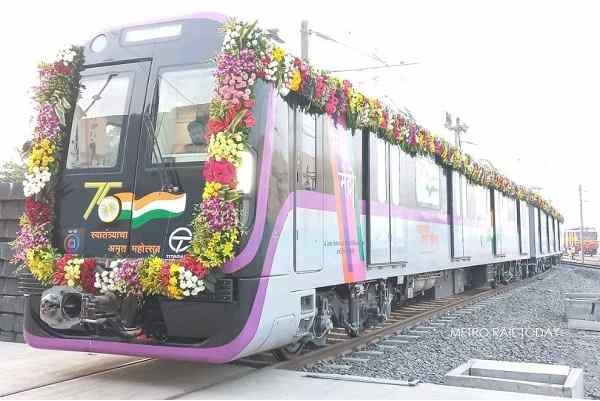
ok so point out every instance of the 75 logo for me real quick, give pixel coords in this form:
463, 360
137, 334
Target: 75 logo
102, 189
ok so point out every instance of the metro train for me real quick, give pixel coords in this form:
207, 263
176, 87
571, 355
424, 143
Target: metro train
340, 225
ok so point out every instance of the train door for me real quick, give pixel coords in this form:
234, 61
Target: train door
308, 195
459, 202
378, 205
101, 160
169, 177
498, 219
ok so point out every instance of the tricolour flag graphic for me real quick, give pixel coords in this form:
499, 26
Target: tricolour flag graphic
154, 206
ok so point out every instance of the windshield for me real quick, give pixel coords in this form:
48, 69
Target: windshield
184, 97
590, 235
99, 119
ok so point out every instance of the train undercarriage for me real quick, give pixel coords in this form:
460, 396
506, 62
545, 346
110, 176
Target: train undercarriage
356, 307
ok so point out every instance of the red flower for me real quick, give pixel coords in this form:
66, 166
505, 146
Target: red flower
38, 213
331, 105
346, 86
232, 113
249, 103
87, 275
220, 171
249, 120
193, 265
319, 86
62, 69
58, 277
214, 126
165, 274
384, 120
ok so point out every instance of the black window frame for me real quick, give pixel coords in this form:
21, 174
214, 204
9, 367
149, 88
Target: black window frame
122, 149
153, 101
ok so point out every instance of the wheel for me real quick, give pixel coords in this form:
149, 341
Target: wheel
288, 352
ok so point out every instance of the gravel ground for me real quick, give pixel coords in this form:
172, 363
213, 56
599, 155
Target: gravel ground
538, 306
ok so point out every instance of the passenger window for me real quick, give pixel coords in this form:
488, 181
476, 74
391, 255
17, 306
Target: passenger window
395, 174
184, 97
380, 178
100, 117
427, 182
306, 176
407, 184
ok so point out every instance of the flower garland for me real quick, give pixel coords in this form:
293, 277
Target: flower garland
55, 97
247, 55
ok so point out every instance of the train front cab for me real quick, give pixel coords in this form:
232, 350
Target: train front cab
137, 137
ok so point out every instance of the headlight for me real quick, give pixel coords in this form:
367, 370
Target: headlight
245, 173
109, 209
99, 43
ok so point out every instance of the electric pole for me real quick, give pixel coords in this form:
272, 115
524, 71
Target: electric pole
581, 223
458, 129
304, 32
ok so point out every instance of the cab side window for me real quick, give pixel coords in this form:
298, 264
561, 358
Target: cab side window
306, 173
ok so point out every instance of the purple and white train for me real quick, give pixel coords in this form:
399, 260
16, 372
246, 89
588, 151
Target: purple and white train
341, 225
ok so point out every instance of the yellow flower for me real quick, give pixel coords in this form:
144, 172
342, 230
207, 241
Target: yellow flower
173, 290
431, 144
357, 101
42, 154
211, 189
224, 146
41, 264
278, 54
295, 81
150, 276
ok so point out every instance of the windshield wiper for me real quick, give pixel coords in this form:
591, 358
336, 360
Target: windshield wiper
169, 178
98, 95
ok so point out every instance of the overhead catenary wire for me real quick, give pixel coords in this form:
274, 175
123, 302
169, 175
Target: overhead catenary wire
401, 64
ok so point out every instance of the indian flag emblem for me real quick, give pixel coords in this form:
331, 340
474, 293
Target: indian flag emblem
154, 206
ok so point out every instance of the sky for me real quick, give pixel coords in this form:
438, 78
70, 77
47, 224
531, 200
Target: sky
523, 75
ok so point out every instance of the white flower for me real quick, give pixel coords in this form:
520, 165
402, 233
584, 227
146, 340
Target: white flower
36, 180
67, 56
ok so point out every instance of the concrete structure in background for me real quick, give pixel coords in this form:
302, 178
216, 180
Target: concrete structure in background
11, 302
519, 377
583, 310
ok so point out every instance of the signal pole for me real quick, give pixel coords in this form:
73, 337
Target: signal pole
581, 223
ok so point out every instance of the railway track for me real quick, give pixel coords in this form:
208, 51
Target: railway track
579, 264
402, 317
